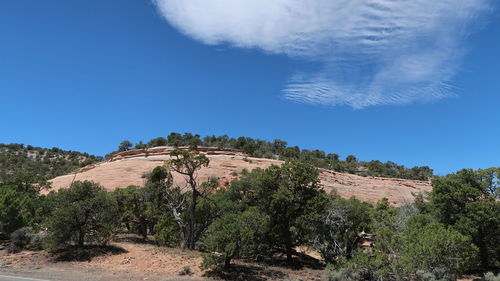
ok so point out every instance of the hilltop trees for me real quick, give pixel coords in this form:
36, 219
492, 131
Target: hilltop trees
125, 145
40, 162
279, 149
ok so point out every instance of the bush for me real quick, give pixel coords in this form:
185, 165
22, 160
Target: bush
85, 213
437, 249
342, 274
15, 208
372, 266
235, 236
37, 241
212, 261
25, 238
423, 275
186, 271
167, 231
20, 239
489, 276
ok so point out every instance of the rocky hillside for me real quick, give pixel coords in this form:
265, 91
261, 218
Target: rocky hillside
41, 162
128, 167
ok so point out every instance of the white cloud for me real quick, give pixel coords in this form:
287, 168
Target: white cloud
372, 52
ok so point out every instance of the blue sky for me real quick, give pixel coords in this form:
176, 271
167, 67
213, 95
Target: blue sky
85, 75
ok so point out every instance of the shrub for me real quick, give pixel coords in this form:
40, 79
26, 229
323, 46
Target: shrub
20, 239
367, 266
235, 236
423, 275
85, 213
166, 231
212, 261
342, 274
186, 271
37, 241
25, 238
437, 249
489, 276
15, 208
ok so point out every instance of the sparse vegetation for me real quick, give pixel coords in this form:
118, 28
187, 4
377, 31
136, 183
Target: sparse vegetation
40, 162
186, 271
279, 149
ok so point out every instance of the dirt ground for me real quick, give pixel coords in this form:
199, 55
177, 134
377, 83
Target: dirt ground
132, 259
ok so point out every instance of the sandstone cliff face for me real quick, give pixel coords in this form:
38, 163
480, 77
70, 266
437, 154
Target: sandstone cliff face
126, 168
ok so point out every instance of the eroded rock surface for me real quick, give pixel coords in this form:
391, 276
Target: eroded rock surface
127, 168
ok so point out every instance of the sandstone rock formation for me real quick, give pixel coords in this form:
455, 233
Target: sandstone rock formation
127, 168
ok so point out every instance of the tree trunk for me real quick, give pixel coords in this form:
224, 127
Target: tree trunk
288, 247
81, 238
483, 253
192, 241
143, 228
182, 228
227, 262
182, 238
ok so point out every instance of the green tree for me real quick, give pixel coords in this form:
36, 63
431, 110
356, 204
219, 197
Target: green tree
434, 248
134, 208
464, 200
157, 142
15, 209
20, 203
283, 193
235, 236
334, 225
167, 231
84, 213
125, 145
490, 180
187, 163
174, 139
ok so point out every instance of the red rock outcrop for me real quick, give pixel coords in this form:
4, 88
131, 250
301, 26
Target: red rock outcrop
128, 167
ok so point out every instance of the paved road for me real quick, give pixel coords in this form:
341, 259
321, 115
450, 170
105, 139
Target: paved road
16, 278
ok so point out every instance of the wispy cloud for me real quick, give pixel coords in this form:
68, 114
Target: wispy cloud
372, 52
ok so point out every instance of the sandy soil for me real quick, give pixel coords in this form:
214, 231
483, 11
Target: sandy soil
127, 168
131, 260
137, 262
